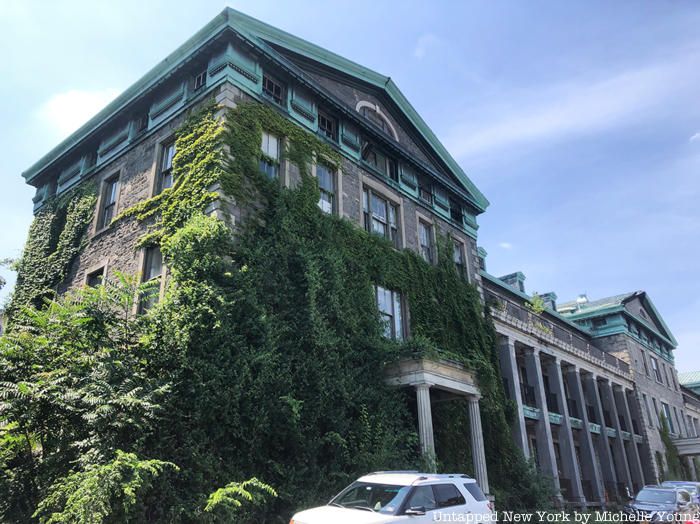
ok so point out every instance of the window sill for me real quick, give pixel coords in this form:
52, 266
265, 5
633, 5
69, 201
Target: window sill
101, 232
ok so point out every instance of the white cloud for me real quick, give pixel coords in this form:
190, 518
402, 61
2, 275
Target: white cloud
65, 112
505, 245
695, 137
546, 114
424, 44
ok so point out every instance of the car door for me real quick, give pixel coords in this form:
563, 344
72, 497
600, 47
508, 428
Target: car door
422, 497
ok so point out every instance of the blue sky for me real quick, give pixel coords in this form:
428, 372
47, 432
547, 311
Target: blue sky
580, 121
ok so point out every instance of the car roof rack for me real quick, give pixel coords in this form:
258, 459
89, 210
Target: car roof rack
397, 471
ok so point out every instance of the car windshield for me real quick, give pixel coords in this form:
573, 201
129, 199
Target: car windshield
691, 488
657, 496
382, 498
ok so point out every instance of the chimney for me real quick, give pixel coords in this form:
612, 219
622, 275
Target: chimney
515, 280
550, 300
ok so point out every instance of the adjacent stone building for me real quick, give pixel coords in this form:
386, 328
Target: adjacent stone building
588, 378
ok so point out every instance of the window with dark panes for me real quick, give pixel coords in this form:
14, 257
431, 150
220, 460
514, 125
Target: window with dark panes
95, 278
109, 201
152, 271
327, 125
380, 216
326, 186
274, 89
458, 257
165, 171
447, 495
270, 158
389, 305
657, 371
456, 212
392, 169
425, 238
200, 80
425, 190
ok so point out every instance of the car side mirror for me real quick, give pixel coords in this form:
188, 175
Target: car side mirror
416, 510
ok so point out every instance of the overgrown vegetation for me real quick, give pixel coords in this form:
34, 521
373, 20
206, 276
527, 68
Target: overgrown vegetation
674, 467
264, 360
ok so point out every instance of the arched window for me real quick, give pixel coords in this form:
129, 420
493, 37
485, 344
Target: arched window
373, 113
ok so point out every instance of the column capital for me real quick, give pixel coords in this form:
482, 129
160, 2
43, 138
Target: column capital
474, 399
423, 386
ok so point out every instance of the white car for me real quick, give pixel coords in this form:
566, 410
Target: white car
389, 497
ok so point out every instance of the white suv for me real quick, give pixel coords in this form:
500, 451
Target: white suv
389, 497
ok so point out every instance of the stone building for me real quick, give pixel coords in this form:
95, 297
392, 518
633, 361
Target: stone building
588, 378
395, 179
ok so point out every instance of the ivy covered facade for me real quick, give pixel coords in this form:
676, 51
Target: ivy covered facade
308, 248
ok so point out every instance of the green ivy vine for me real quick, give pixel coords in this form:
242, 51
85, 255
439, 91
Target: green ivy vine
56, 237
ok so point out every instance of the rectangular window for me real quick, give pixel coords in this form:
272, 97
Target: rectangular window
657, 371
270, 157
380, 216
658, 413
109, 201
425, 239
648, 409
328, 126
389, 305
456, 213
95, 278
165, 169
326, 185
459, 258
152, 271
475, 491
425, 191
200, 80
273, 89
646, 367
669, 420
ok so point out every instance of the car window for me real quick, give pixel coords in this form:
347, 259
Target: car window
475, 491
384, 498
657, 496
447, 495
422, 497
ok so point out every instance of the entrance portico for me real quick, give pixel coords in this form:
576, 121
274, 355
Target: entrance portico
449, 376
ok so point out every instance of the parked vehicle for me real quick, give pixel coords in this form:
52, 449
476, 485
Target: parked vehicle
691, 487
401, 496
660, 504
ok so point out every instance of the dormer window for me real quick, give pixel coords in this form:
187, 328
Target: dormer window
273, 89
200, 80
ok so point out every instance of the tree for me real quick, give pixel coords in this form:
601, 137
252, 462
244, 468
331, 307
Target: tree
74, 388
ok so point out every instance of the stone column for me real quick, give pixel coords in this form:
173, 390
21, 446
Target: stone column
634, 401
509, 368
566, 437
690, 464
478, 454
635, 464
425, 423
591, 468
545, 444
623, 469
606, 461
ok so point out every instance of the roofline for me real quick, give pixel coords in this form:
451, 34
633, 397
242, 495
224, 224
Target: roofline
208, 33
525, 296
385, 83
620, 308
242, 23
